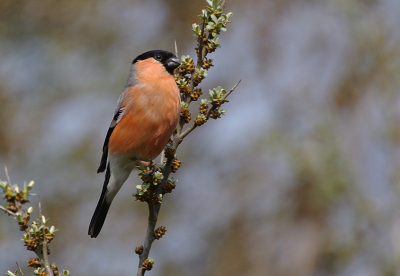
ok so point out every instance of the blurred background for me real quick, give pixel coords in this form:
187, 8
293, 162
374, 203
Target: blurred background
301, 177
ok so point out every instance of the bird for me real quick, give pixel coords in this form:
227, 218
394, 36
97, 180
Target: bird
144, 120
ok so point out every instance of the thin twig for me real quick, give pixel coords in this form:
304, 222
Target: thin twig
20, 270
176, 49
201, 54
223, 4
226, 96
7, 211
176, 54
8, 177
187, 131
45, 255
192, 127
233, 88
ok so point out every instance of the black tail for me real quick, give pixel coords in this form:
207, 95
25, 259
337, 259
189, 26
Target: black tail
101, 210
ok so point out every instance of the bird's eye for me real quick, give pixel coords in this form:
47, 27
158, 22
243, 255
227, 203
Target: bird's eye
158, 57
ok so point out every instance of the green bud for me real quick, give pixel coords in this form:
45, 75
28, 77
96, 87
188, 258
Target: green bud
158, 175
52, 230
18, 217
9, 273
3, 184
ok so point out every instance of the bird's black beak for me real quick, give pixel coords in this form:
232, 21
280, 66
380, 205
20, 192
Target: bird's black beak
173, 63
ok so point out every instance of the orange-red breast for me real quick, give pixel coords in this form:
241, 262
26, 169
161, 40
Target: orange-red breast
146, 115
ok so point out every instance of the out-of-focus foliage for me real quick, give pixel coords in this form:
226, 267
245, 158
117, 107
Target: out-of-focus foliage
37, 234
302, 177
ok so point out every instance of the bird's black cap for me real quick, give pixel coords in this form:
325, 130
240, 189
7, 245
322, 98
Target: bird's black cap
168, 59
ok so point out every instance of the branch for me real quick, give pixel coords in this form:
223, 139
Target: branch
20, 270
7, 211
187, 131
155, 209
233, 88
192, 127
151, 226
145, 262
153, 216
200, 57
201, 54
45, 257
226, 96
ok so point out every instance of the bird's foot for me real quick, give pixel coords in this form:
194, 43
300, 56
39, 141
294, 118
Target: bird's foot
147, 165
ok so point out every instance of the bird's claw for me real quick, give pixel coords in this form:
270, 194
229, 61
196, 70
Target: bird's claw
148, 165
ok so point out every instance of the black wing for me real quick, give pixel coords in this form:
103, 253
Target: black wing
117, 116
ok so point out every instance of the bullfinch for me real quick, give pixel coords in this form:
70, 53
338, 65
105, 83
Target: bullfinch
146, 116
